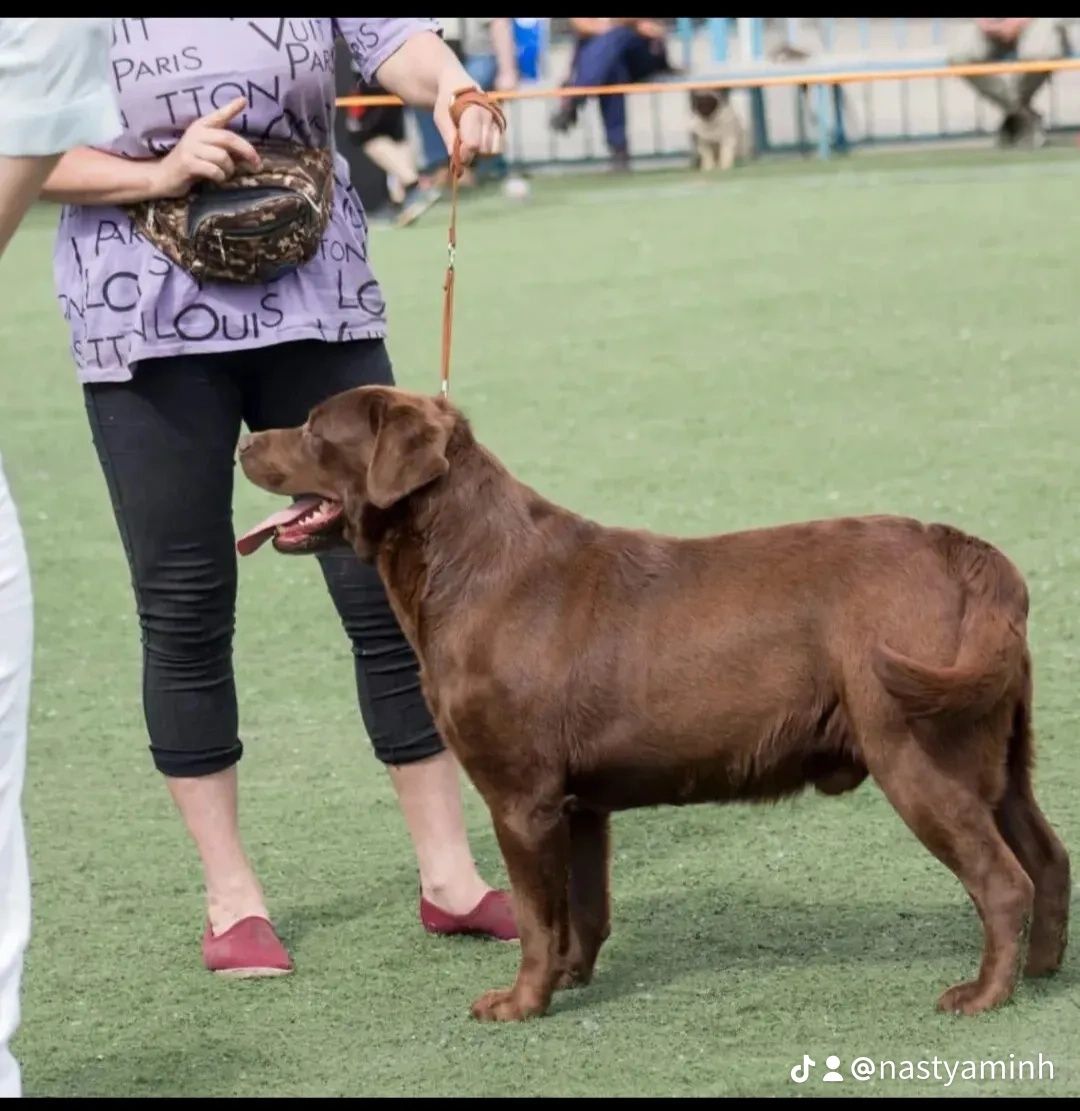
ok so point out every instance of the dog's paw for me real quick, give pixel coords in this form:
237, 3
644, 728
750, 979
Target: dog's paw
1045, 954
505, 1006
575, 977
970, 999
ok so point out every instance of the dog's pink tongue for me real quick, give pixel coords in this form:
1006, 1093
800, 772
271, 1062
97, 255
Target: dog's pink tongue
255, 538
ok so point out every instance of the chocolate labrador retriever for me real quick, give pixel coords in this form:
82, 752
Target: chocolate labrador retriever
576, 670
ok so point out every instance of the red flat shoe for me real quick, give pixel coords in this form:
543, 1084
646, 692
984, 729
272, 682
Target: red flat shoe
245, 950
492, 917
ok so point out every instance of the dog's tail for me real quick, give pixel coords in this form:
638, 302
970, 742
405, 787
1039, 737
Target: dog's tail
991, 661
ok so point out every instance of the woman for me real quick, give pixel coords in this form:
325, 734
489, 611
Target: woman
171, 368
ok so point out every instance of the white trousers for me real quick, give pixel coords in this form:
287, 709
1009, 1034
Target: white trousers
16, 643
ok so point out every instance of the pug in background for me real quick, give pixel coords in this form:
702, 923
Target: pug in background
717, 135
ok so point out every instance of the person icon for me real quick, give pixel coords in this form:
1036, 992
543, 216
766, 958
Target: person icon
832, 1063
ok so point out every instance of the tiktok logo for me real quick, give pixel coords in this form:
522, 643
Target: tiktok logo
801, 1073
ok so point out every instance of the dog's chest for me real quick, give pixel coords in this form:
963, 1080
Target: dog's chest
721, 125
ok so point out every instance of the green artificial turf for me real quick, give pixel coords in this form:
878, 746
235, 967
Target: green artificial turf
885, 334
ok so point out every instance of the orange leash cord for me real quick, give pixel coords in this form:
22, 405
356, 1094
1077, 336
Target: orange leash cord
462, 99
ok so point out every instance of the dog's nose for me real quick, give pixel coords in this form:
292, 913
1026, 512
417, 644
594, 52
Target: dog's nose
245, 443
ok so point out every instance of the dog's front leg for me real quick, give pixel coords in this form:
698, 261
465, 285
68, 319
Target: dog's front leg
535, 843
728, 150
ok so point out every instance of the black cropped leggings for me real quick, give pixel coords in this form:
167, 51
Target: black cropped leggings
167, 441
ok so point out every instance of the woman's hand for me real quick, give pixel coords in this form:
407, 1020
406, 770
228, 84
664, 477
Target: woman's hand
479, 132
424, 71
207, 151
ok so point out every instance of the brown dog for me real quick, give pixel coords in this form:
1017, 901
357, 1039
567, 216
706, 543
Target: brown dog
576, 670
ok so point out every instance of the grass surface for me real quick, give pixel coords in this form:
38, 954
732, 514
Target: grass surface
887, 335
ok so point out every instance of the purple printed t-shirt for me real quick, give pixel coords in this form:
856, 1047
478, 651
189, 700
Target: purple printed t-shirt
123, 300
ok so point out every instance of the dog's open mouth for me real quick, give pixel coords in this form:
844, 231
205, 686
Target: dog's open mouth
310, 524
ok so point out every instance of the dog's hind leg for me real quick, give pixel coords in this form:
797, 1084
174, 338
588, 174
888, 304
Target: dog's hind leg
1037, 847
535, 840
590, 901
956, 823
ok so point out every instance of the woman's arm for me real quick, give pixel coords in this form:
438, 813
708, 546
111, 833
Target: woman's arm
420, 68
88, 176
425, 72
206, 151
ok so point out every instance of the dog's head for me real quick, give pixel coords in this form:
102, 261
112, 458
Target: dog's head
360, 453
707, 102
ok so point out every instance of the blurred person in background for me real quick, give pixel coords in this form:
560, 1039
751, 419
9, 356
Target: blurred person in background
56, 88
612, 52
380, 131
171, 367
1026, 38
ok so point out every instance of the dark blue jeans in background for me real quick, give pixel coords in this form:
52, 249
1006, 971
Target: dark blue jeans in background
617, 57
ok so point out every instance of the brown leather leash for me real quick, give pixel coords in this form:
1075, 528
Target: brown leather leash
470, 96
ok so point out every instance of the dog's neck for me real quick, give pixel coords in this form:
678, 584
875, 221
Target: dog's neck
460, 539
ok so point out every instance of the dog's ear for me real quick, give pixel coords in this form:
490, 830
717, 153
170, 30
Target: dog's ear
410, 449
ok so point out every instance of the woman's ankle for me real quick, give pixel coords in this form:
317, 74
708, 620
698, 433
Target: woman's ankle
227, 906
456, 894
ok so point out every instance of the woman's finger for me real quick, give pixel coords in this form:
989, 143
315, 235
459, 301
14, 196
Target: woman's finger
237, 145
219, 156
467, 150
201, 168
474, 125
493, 143
221, 116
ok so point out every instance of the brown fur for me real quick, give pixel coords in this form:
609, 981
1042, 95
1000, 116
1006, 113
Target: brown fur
576, 670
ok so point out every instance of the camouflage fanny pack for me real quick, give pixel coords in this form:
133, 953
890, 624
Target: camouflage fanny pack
254, 227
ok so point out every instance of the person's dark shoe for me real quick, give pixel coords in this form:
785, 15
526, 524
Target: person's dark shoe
415, 203
620, 162
1010, 129
565, 116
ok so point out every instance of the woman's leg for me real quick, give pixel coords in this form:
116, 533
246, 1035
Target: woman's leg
281, 387
424, 774
166, 441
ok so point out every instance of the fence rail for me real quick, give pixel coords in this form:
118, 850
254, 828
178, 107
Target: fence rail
791, 76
